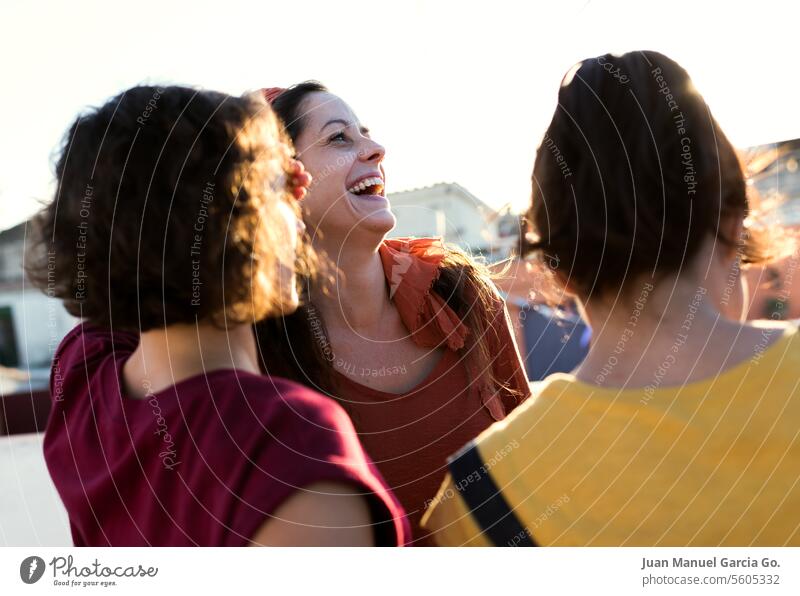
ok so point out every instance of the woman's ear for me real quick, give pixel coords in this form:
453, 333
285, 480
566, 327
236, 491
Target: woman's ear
734, 303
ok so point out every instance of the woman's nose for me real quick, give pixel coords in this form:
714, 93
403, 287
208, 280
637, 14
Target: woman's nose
372, 151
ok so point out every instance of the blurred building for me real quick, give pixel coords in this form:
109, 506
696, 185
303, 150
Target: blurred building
31, 327
774, 170
31, 323
450, 211
547, 342
774, 173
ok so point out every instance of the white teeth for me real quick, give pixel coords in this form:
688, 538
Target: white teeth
364, 184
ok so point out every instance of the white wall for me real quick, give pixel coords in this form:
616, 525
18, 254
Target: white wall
39, 324
31, 512
443, 210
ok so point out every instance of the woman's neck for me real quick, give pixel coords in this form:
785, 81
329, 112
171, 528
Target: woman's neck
357, 299
664, 334
168, 355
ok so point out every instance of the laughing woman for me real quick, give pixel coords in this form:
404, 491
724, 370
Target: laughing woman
411, 336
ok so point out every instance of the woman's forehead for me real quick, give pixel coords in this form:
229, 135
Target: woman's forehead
322, 107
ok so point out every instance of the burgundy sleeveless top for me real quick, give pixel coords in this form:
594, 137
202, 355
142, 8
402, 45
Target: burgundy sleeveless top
204, 462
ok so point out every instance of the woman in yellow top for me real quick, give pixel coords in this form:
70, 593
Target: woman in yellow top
681, 425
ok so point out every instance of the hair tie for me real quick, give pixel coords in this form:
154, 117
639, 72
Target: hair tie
271, 93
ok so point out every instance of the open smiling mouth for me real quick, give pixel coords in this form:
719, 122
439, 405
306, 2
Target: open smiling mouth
368, 188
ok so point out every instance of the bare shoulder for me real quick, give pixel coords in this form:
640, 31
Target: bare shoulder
322, 514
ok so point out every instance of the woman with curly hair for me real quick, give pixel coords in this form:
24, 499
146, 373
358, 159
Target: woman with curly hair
409, 335
172, 231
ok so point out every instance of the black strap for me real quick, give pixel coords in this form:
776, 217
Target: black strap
486, 502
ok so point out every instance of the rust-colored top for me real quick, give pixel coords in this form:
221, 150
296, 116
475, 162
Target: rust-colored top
409, 436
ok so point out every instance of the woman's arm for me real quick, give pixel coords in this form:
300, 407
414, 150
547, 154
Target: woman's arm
323, 514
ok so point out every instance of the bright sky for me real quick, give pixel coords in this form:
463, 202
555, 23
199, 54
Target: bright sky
456, 91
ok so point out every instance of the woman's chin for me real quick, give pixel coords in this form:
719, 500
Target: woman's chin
373, 212
380, 222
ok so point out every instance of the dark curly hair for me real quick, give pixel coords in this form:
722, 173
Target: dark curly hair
632, 176
165, 211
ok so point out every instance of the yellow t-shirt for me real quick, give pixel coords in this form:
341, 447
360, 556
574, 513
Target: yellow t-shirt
716, 462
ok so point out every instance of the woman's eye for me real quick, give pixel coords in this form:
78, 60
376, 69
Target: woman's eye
338, 137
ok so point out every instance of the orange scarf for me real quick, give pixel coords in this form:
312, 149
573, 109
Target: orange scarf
412, 266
